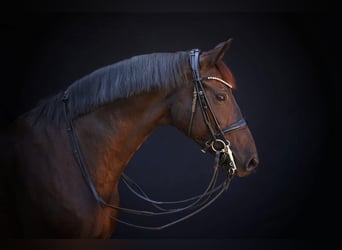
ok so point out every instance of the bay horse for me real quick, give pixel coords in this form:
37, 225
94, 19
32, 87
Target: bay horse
71, 150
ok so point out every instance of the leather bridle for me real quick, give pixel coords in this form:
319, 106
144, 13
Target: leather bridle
224, 159
217, 142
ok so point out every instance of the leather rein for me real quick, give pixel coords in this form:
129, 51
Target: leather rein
224, 159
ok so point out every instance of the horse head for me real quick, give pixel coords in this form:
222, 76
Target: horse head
210, 114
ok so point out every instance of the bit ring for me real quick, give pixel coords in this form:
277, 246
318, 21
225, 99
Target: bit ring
218, 145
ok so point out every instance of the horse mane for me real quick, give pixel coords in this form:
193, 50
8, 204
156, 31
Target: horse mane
128, 77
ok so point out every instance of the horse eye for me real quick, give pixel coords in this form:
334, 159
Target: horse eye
221, 97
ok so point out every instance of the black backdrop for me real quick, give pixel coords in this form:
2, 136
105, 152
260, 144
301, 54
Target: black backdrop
281, 62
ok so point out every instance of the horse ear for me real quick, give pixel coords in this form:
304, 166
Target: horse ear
216, 54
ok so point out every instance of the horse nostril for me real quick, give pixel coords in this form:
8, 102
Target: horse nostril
253, 163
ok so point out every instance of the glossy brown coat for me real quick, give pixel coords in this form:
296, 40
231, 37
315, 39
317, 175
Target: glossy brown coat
52, 198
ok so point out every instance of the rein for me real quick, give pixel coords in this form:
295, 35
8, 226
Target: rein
218, 143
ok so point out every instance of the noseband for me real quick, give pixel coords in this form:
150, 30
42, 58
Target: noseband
218, 143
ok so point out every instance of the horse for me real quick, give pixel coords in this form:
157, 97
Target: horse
70, 151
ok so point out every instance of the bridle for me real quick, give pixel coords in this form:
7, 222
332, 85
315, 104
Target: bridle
217, 142
224, 159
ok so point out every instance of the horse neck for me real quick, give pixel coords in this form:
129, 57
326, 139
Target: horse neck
111, 135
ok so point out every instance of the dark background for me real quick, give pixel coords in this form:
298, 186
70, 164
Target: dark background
284, 63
